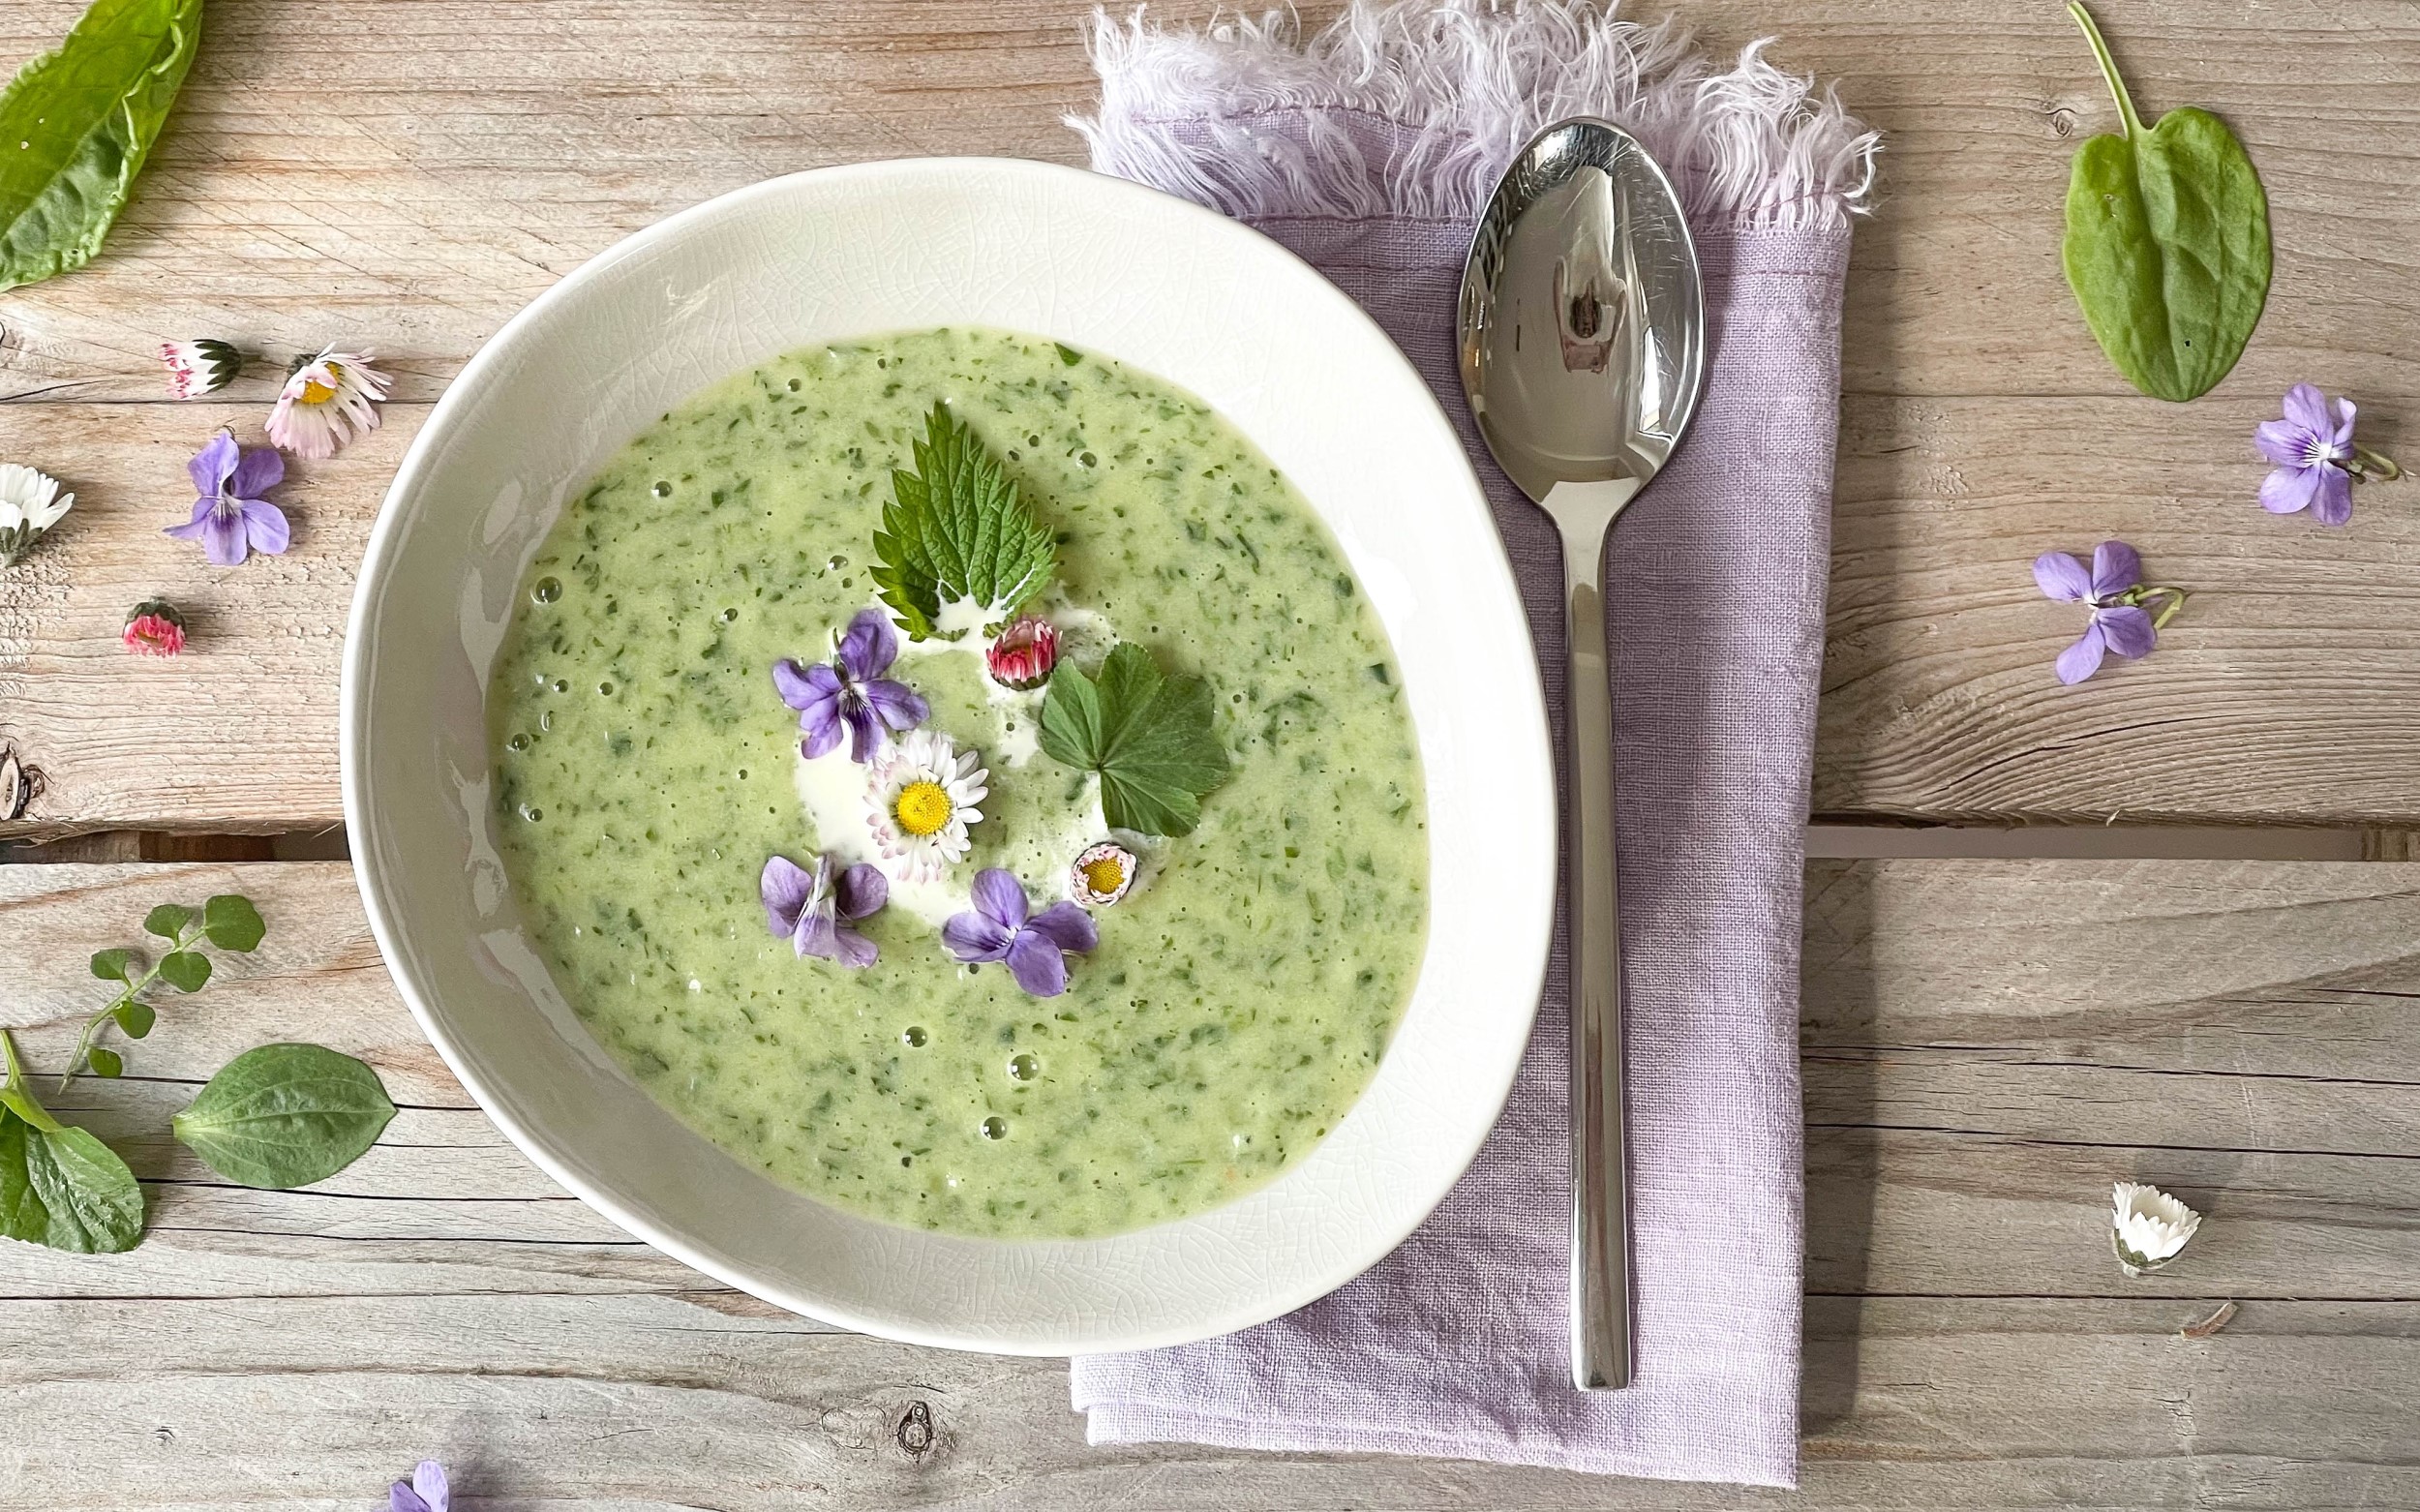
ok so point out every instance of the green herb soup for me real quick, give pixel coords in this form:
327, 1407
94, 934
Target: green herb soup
1239, 997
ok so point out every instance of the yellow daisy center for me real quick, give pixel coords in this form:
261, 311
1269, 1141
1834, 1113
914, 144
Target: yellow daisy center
1106, 875
315, 392
923, 808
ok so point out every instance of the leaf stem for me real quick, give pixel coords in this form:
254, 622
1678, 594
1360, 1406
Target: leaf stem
2131, 122
185, 940
15, 1080
2375, 466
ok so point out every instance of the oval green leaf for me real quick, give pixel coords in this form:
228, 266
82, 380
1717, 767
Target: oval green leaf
185, 970
168, 920
2168, 243
135, 1017
231, 922
84, 118
111, 965
105, 1062
63, 1188
285, 1115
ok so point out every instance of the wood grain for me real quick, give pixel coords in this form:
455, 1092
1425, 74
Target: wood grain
412, 188
1987, 1044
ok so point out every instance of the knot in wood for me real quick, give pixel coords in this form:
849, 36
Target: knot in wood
916, 1433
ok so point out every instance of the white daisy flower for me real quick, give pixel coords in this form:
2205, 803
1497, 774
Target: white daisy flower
328, 399
30, 504
200, 367
920, 797
2150, 1227
1102, 874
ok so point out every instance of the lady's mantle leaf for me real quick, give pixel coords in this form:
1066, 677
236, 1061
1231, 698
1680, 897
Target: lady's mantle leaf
285, 1115
2168, 243
1151, 739
958, 531
76, 126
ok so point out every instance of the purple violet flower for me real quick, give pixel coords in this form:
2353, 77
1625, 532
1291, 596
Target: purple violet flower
427, 1491
2318, 460
999, 928
850, 691
2114, 590
229, 516
815, 909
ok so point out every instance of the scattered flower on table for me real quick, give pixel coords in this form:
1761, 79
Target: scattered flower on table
328, 399
1020, 659
230, 518
30, 504
849, 694
2318, 460
920, 797
2115, 591
2149, 1227
814, 910
1002, 927
1102, 874
425, 1492
200, 367
154, 628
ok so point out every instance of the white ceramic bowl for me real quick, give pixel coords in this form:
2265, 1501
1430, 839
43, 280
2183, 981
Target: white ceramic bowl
1102, 264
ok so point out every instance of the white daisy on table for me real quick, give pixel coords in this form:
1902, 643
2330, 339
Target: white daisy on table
920, 797
2149, 1227
30, 504
328, 399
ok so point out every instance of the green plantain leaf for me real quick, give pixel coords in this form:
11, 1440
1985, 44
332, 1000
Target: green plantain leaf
59, 1185
2167, 242
285, 1115
76, 126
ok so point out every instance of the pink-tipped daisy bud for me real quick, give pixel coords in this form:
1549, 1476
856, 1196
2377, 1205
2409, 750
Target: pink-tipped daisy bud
1022, 658
1102, 874
154, 628
202, 366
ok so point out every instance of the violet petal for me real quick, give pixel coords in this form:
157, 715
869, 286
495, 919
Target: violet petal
2343, 434
401, 1497
2307, 407
799, 687
817, 935
1067, 927
2286, 490
971, 937
222, 537
209, 466
429, 1480
1035, 962
2128, 629
784, 887
256, 473
1000, 897
2061, 576
896, 704
2115, 567
2083, 659
853, 949
2282, 442
265, 525
860, 891
871, 646
864, 729
2332, 504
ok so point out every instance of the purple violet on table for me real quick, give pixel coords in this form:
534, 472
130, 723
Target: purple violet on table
813, 909
2317, 461
2115, 591
230, 518
426, 1492
850, 693
1002, 927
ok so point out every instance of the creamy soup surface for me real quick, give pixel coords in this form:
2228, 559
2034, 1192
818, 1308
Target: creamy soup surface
1239, 998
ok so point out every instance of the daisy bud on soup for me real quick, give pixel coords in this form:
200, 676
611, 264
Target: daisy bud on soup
1021, 658
154, 628
202, 366
1102, 874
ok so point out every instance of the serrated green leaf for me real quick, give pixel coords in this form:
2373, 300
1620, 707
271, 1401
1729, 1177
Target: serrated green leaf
112, 965
82, 120
958, 530
105, 1062
2167, 242
231, 922
185, 970
1152, 739
285, 1115
135, 1017
168, 920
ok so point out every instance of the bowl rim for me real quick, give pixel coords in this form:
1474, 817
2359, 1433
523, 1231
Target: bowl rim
1524, 950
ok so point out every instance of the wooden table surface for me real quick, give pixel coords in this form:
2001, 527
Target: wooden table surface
1987, 1042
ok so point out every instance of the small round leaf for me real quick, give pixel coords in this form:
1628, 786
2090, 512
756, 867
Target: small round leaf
231, 922
135, 1018
285, 1115
105, 1062
168, 920
185, 970
112, 965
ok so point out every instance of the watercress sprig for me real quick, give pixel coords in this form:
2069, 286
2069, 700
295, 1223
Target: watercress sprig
227, 921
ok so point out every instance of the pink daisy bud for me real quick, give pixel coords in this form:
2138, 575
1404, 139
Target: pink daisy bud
1103, 874
154, 628
202, 366
1022, 658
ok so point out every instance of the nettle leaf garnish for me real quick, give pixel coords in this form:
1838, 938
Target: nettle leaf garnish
78, 123
1149, 737
959, 547
2167, 242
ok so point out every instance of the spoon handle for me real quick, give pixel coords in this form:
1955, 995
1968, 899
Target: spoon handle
1600, 1172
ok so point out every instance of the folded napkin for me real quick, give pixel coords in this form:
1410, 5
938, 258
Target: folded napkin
1370, 150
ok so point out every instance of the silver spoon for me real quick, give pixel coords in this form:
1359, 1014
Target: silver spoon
1583, 345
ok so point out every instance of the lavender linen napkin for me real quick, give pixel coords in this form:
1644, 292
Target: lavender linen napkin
1369, 150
